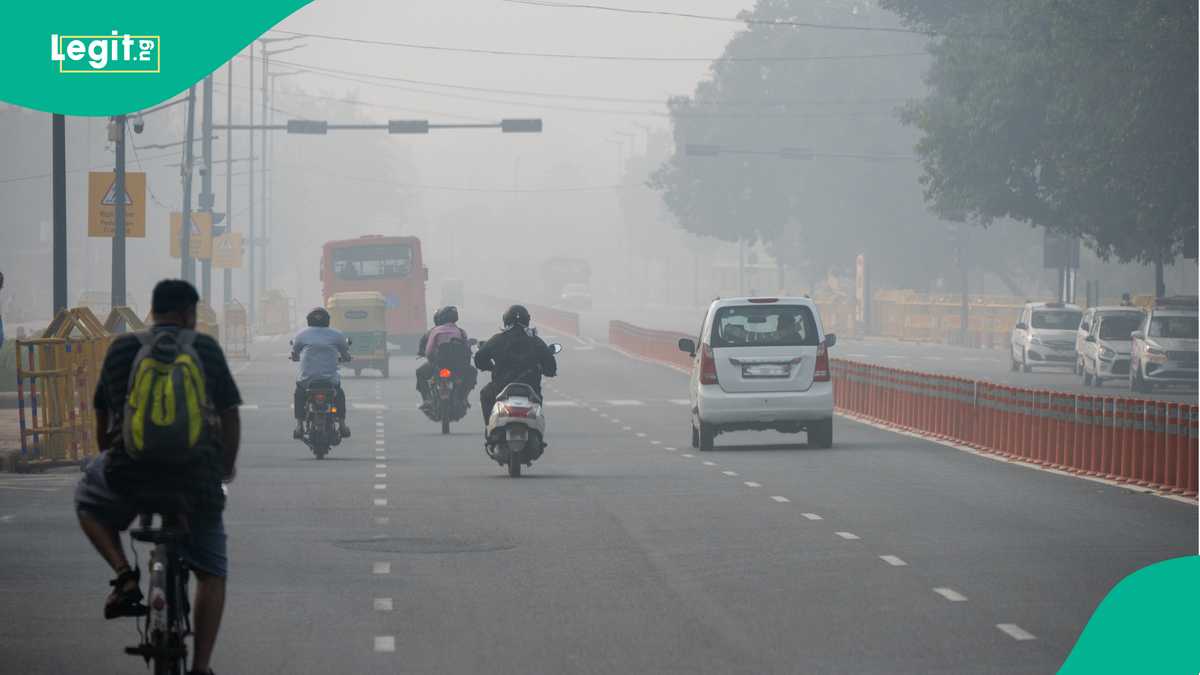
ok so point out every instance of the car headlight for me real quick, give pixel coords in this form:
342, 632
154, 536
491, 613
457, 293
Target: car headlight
1107, 354
1035, 340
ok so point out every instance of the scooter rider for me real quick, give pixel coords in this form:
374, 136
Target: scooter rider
319, 348
515, 354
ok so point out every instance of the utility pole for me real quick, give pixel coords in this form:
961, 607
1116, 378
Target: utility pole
227, 275
262, 208
117, 131
250, 270
58, 156
187, 270
206, 193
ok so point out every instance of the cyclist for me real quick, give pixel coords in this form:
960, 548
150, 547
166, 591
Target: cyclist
104, 498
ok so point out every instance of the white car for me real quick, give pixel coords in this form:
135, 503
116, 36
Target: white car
1165, 346
761, 364
1107, 342
1045, 336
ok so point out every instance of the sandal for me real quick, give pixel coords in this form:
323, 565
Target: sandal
125, 601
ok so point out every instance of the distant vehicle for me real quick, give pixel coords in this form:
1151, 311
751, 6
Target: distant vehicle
361, 317
1087, 326
1045, 336
558, 272
576, 296
1165, 346
1105, 352
390, 265
452, 293
761, 364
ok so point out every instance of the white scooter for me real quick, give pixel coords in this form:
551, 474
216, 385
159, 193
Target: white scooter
516, 428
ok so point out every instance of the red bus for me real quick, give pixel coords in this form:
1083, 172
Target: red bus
390, 265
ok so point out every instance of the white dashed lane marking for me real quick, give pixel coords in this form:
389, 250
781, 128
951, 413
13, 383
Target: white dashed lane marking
380, 502
560, 404
847, 535
781, 500
751, 483
680, 401
640, 435
385, 643
624, 402
655, 442
381, 568
383, 604
381, 475
1015, 632
381, 466
893, 560
688, 455
368, 406
811, 516
381, 486
671, 448
729, 473
709, 463
382, 520
950, 594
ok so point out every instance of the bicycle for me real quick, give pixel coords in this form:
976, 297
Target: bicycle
168, 616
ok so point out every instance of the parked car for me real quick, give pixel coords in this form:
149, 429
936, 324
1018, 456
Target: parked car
1045, 336
761, 364
1164, 349
1107, 342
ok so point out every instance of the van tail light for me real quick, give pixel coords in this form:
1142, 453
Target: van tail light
821, 370
708, 366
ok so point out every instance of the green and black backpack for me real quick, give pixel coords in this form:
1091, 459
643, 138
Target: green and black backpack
167, 411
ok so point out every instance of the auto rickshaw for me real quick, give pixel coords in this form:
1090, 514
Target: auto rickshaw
361, 315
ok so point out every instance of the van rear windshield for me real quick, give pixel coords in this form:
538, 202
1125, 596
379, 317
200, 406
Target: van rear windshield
764, 326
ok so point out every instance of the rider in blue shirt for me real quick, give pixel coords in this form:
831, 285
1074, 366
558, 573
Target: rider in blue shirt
319, 348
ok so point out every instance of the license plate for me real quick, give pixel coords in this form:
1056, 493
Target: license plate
518, 434
766, 370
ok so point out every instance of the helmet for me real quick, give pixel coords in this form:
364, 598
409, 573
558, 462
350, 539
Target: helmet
448, 314
318, 317
516, 315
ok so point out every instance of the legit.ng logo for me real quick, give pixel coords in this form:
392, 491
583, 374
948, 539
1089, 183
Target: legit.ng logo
106, 53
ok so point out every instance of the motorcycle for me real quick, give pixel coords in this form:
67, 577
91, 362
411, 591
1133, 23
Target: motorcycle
516, 428
447, 388
322, 425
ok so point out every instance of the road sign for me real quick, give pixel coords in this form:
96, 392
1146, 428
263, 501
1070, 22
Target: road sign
200, 246
102, 200
227, 251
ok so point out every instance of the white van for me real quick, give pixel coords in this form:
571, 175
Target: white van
761, 364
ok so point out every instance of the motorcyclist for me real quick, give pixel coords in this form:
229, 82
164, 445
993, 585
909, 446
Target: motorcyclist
445, 329
319, 348
516, 354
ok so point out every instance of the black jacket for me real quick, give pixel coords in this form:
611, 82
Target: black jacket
514, 355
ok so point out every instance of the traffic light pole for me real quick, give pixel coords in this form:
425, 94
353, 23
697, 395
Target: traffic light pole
118, 242
253, 299
206, 193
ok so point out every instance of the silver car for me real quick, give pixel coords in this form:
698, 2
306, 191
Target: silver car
1107, 343
1165, 347
1045, 336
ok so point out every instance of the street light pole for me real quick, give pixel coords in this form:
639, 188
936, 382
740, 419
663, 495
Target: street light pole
265, 85
187, 270
227, 274
118, 242
58, 154
253, 299
206, 193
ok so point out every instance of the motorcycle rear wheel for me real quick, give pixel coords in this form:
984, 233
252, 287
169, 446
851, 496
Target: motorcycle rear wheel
514, 465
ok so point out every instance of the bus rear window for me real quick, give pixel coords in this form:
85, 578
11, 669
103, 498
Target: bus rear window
379, 261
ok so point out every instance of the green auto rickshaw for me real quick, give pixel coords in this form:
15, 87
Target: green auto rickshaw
361, 315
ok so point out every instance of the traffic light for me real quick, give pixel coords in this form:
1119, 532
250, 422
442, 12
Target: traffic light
521, 126
408, 126
307, 127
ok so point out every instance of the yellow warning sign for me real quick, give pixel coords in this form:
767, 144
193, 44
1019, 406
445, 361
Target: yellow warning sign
102, 201
227, 251
200, 246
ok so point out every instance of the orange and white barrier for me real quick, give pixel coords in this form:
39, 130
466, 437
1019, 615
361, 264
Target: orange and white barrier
1147, 443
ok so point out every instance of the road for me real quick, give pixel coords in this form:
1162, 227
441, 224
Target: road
621, 551
982, 364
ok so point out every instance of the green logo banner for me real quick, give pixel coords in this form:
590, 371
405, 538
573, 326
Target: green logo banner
1146, 624
94, 58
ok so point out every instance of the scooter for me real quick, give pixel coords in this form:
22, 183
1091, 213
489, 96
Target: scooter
516, 428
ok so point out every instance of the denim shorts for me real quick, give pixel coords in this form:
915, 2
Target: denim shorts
205, 549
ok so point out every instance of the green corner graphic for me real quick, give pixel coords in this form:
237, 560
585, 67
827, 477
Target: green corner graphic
182, 42
1146, 624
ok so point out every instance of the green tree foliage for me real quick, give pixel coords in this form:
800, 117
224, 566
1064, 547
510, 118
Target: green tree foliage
820, 212
1077, 115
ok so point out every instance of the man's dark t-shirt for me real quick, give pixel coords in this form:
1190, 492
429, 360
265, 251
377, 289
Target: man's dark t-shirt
203, 478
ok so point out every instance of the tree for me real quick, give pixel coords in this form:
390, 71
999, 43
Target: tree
821, 212
1076, 115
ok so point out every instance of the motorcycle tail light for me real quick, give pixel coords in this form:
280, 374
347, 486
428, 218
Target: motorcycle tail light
333, 410
319, 397
515, 411
444, 373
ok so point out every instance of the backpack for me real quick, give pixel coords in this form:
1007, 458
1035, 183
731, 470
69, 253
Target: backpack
166, 406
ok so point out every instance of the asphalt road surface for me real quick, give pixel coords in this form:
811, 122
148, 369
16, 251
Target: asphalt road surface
991, 365
621, 551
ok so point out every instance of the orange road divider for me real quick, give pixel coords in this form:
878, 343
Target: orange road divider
1141, 442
